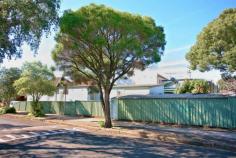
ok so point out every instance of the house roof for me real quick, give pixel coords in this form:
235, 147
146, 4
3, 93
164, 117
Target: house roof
143, 86
72, 84
136, 86
58, 81
158, 75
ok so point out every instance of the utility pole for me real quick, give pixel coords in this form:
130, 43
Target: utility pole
189, 73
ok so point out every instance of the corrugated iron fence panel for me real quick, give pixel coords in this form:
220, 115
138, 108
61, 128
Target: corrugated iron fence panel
88, 108
232, 102
69, 108
19, 105
214, 112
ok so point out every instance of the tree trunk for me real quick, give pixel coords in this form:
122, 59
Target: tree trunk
106, 109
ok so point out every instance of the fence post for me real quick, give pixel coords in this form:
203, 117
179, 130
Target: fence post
189, 112
231, 112
75, 108
25, 105
114, 109
91, 108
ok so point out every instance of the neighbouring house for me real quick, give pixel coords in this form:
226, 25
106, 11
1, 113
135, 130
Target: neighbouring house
87, 92
171, 85
68, 90
161, 79
146, 89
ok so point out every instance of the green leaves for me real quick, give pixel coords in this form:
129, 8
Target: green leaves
7, 78
25, 21
36, 80
194, 86
104, 44
215, 46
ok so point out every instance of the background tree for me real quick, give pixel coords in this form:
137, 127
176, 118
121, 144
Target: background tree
102, 45
25, 21
7, 79
194, 86
228, 84
216, 45
36, 80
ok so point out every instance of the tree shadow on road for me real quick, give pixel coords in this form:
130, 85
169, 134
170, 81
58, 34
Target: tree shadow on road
81, 144
9, 126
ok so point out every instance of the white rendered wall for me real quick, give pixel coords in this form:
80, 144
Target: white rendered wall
73, 94
81, 93
157, 90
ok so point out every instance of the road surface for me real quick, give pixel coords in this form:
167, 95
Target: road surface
19, 139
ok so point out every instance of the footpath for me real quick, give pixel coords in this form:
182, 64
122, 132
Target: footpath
205, 137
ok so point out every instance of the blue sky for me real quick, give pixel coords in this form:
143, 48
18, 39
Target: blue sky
182, 21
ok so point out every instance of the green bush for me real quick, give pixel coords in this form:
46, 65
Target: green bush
101, 124
10, 110
5, 110
194, 86
36, 109
2, 110
228, 84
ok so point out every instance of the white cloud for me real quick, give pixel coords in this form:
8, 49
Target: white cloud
179, 49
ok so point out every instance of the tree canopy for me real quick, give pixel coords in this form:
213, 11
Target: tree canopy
216, 45
36, 80
25, 21
7, 79
102, 44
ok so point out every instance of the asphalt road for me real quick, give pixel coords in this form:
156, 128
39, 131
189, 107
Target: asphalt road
58, 141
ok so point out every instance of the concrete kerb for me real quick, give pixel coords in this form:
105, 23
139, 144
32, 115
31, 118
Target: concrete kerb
175, 138
166, 137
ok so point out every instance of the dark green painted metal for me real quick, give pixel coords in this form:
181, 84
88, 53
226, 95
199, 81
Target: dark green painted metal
88, 108
214, 112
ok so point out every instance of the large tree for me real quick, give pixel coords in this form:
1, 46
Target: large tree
216, 45
100, 44
25, 21
7, 79
36, 80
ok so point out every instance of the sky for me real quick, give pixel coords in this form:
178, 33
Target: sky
182, 20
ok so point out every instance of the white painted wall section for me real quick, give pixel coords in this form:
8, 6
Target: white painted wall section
73, 94
156, 90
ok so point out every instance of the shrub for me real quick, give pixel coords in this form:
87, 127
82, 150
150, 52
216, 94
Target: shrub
36, 109
10, 110
2, 110
228, 84
5, 110
101, 124
185, 87
194, 86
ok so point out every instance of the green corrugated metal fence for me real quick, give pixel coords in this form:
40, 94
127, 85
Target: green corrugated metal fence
215, 112
88, 108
